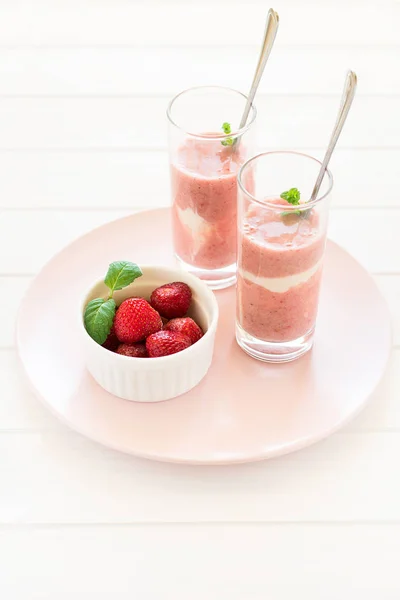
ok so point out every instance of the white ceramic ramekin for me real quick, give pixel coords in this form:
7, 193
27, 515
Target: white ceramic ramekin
155, 379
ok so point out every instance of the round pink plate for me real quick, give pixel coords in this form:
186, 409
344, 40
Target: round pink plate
244, 410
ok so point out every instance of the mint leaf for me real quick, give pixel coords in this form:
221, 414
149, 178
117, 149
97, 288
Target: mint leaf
98, 318
285, 213
292, 196
303, 213
120, 274
226, 128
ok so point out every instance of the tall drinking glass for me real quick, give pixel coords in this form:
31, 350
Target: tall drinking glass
204, 162
280, 254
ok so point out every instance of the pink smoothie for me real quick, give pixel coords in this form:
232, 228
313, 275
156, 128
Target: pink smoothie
204, 194
279, 273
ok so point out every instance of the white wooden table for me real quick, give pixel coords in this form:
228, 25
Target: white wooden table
83, 90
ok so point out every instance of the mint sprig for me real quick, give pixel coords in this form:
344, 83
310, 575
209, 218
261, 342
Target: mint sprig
120, 274
100, 312
226, 128
293, 197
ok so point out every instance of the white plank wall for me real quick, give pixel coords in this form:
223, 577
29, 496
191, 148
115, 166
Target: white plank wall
83, 89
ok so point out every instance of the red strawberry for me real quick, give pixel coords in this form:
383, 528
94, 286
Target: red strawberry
137, 350
187, 327
172, 300
135, 320
112, 342
164, 343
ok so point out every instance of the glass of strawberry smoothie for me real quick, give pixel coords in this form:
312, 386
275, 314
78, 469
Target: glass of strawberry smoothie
207, 149
280, 254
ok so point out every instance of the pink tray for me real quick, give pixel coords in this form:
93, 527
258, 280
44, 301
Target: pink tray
243, 410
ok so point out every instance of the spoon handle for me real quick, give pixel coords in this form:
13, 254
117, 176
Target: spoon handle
349, 91
271, 29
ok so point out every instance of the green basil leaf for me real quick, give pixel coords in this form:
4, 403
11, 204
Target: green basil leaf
120, 274
98, 318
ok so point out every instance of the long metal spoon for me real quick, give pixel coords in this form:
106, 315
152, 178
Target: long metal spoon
349, 91
271, 29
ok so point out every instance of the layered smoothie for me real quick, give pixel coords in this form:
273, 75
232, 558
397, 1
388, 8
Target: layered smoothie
279, 272
204, 196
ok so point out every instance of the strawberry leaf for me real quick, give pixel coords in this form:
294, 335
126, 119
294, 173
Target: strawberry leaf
121, 274
98, 318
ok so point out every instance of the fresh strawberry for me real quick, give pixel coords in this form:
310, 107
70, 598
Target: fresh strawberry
136, 320
172, 300
164, 343
112, 342
137, 350
187, 327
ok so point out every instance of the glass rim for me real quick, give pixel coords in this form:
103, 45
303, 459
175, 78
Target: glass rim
222, 136
290, 207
